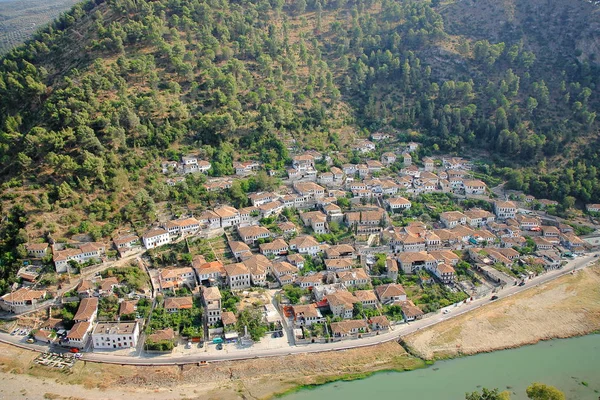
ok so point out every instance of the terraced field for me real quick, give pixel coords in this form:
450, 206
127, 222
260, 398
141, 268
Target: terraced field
221, 250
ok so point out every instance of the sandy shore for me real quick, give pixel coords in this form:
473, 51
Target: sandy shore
566, 307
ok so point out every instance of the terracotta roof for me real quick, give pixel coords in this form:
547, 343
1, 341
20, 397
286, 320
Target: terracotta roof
304, 242
85, 286
380, 320
337, 250
209, 214
108, 283
51, 323
276, 244
198, 260
307, 310
127, 307
365, 295
287, 226
353, 274
226, 211
505, 204
115, 328
211, 293
415, 256
337, 263
210, 268
342, 298
183, 222
37, 246
284, 268
257, 264
445, 268
476, 213
252, 231
179, 303
474, 183
228, 318
398, 201
125, 239
79, 330
236, 269
155, 232
390, 290
452, 215
345, 327
295, 258
410, 310
238, 247
62, 255
87, 308
171, 273
160, 335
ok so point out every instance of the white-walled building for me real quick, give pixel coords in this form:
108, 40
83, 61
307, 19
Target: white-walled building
115, 335
156, 237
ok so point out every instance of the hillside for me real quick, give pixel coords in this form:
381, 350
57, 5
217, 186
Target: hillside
19, 19
92, 104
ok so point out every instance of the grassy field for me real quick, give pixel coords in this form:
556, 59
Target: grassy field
19, 19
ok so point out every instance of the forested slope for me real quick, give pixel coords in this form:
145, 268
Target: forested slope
90, 106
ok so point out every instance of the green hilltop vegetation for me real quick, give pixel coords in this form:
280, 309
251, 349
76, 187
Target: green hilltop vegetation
92, 104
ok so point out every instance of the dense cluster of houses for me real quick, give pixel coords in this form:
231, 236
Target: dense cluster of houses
269, 257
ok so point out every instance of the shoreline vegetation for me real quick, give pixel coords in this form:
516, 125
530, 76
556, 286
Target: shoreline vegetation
523, 319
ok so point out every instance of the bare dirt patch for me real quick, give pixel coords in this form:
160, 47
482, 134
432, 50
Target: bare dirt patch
568, 306
260, 378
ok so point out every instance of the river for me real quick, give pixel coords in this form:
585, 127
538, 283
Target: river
564, 363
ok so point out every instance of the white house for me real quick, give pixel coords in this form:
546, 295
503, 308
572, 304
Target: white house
155, 237
230, 216
505, 209
398, 203
474, 187
238, 276
305, 245
115, 335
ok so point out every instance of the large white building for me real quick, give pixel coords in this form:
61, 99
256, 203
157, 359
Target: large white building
115, 335
155, 237
80, 254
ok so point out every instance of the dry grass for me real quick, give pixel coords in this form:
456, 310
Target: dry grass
567, 306
260, 378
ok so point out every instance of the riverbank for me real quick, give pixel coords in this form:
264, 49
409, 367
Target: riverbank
260, 378
566, 307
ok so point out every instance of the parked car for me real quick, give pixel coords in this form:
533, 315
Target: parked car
74, 350
522, 283
31, 340
446, 311
494, 297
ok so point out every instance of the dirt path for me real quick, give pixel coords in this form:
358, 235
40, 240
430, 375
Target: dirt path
568, 306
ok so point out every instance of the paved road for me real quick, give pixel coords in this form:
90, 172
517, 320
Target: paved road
399, 331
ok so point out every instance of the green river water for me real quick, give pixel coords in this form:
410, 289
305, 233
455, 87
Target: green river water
562, 363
